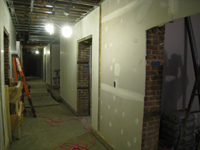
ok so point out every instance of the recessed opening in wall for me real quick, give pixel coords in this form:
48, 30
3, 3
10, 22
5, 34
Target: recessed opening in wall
178, 80
55, 65
170, 78
152, 103
33, 62
6, 57
84, 78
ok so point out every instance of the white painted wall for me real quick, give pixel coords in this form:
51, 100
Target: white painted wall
55, 60
47, 51
19, 52
7, 23
68, 62
18, 48
44, 64
124, 25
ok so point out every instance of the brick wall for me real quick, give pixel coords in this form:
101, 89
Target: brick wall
83, 52
152, 104
83, 94
6, 60
83, 76
83, 102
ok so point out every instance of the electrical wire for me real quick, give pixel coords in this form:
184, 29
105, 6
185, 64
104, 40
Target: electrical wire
70, 146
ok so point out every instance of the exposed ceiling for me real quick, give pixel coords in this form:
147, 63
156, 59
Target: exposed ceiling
31, 16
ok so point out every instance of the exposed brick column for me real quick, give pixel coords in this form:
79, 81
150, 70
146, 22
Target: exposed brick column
153, 91
83, 94
6, 60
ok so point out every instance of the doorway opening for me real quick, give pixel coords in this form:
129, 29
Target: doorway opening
179, 78
33, 62
84, 81
6, 57
169, 82
153, 91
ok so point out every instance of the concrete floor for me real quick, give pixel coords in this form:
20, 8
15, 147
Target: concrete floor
39, 135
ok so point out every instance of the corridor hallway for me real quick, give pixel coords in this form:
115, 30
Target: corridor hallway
36, 134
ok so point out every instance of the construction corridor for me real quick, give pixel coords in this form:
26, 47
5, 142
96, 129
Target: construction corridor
36, 134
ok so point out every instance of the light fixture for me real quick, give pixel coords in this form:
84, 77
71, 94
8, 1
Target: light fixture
67, 31
49, 28
54, 10
67, 11
36, 52
48, 6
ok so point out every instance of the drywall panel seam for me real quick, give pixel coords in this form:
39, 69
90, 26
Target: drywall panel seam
121, 11
125, 94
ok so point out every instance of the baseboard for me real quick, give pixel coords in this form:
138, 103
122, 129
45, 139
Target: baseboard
102, 140
72, 109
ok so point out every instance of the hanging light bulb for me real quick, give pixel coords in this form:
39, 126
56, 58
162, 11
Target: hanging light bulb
67, 31
49, 28
36, 52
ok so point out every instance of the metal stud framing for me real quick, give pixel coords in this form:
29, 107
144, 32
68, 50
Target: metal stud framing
30, 16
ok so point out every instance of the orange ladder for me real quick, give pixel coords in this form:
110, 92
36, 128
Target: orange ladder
17, 68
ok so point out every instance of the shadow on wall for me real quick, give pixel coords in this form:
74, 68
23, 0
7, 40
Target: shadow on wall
175, 83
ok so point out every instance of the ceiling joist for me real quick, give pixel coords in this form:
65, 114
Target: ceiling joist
30, 17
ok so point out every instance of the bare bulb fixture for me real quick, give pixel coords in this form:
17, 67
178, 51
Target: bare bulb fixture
49, 28
67, 31
36, 52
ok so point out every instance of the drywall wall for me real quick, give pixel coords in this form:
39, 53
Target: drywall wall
68, 62
18, 48
123, 63
48, 64
19, 52
1, 102
40, 63
44, 64
6, 22
55, 63
178, 67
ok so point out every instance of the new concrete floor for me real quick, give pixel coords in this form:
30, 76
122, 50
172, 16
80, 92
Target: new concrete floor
39, 135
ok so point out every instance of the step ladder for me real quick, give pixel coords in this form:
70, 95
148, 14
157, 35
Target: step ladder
194, 93
196, 87
17, 68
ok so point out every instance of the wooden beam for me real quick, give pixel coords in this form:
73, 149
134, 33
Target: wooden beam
8, 112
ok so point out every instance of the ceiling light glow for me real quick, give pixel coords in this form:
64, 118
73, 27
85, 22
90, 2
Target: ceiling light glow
37, 52
49, 28
67, 31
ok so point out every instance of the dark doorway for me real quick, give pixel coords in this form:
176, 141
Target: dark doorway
84, 76
33, 62
6, 57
